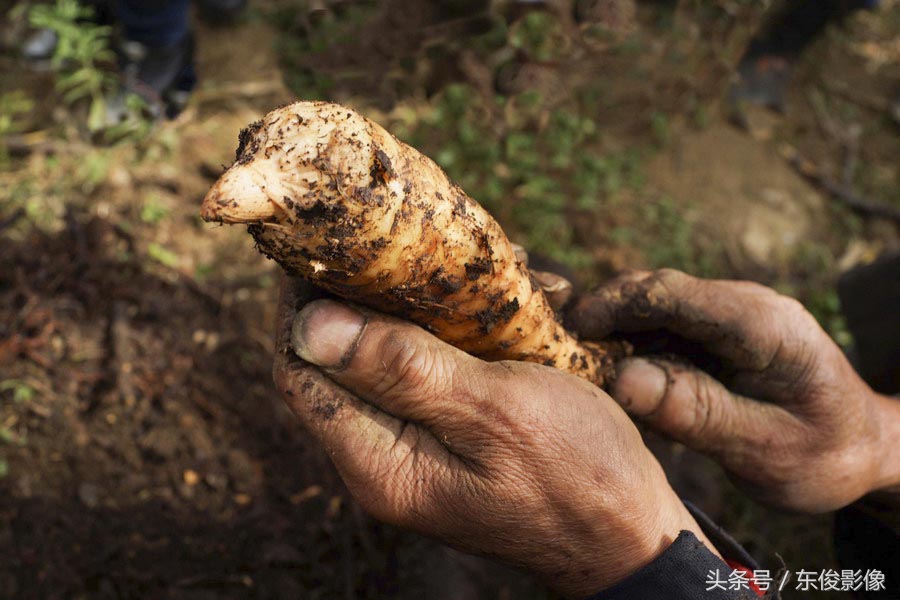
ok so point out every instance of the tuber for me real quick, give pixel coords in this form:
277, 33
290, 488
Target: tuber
336, 199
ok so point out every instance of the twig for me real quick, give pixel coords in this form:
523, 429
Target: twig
866, 101
19, 145
812, 173
122, 354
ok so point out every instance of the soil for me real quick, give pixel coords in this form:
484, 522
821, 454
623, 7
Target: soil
146, 452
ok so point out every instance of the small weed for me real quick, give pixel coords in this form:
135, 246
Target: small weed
13, 105
661, 128
668, 240
531, 173
8, 436
152, 212
82, 65
21, 391
162, 255
700, 117
539, 35
299, 39
203, 271
82, 53
92, 169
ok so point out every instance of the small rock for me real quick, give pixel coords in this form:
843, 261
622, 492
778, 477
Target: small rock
89, 494
190, 477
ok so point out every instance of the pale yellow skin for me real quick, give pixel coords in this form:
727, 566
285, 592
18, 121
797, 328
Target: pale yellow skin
335, 198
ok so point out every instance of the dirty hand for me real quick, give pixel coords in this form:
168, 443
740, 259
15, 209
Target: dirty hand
515, 461
786, 414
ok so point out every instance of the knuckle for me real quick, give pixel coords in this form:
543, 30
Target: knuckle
787, 304
672, 281
668, 287
410, 367
705, 414
670, 275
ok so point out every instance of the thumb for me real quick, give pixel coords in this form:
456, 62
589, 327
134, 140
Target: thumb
690, 406
392, 364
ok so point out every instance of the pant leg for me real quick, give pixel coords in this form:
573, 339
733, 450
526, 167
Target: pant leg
800, 22
154, 23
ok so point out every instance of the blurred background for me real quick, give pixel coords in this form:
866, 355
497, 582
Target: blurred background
143, 452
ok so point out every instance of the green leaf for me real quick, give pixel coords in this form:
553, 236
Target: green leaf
22, 392
162, 255
97, 114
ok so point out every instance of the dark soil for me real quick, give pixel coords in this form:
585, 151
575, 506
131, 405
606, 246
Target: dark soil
144, 452
159, 461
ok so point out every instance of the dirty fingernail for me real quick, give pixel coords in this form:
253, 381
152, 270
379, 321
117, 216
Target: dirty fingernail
325, 333
640, 385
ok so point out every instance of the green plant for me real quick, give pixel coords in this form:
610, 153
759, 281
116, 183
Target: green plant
12, 106
668, 240
532, 171
152, 212
162, 255
8, 436
538, 34
81, 55
21, 391
661, 128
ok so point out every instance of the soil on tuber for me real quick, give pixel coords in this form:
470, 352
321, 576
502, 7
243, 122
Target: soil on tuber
338, 200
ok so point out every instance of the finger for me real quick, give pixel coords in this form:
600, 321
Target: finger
328, 411
740, 321
556, 288
393, 365
596, 315
369, 447
695, 409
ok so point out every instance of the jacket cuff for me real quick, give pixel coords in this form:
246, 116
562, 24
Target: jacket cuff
681, 572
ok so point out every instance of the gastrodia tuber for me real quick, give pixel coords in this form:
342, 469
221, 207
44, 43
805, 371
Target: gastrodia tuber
336, 199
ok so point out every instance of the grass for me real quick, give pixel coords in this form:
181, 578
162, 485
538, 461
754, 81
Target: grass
162, 255
82, 54
533, 169
21, 391
153, 211
14, 106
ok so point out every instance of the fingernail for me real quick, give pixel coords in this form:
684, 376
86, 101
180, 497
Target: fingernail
325, 333
639, 383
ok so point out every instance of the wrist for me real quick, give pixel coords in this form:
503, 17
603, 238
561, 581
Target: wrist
886, 450
649, 523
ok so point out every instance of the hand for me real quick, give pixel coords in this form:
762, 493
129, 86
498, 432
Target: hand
787, 416
516, 461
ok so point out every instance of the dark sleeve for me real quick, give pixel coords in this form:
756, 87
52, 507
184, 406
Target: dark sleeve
867, 536
682, 571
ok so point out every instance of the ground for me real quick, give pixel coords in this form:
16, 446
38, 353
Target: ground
143, 451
